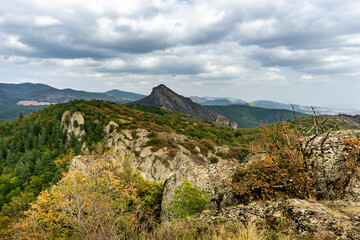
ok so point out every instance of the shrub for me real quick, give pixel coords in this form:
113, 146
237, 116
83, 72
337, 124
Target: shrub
157, 143
137, 153
76, 123
279, 168
104, 202
188, 200
214, 160
222, 154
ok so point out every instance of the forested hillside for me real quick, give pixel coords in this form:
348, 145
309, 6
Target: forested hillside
250, 117
36, 151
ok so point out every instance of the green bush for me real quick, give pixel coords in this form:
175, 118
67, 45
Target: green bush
188, 200
214, 160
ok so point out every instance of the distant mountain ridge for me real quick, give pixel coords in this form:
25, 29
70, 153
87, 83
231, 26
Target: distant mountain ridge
162, 96
37, 96
129, 95
11, 94
225, 101
219, 101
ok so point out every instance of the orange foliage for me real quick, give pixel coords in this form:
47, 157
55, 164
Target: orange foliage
98, 203
278, 167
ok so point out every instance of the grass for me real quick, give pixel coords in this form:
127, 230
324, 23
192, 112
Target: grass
190, 229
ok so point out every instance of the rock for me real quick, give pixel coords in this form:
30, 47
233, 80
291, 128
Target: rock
154, 166
167, 99
208, 178
224, 122
110, 125
233, 125
336, 220
328, 163
73, 123
197, 149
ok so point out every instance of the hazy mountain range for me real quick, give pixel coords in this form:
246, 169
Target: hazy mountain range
12, 94
272, 105
27, 97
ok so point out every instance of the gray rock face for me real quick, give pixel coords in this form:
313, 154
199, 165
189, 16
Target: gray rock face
153, 165
339, 220
329, 166
208, 178
162, 96
72, 123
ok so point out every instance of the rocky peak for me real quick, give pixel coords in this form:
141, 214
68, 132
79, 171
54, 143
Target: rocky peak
163, 96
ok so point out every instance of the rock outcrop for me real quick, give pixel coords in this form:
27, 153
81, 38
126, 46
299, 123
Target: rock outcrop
208, 178
162, 96
224, 122
329, 166
154, 164
334, 220
73, 123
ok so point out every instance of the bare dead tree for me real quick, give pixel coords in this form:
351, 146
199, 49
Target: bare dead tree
308, 135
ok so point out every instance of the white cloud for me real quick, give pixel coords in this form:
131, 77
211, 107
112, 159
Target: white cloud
250, 45
46, 21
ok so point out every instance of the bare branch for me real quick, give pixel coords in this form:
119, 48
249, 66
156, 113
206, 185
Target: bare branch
297, 121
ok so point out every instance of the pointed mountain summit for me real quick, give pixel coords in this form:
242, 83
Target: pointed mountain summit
163, 96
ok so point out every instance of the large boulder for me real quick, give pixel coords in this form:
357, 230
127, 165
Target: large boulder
330, 166
212, 179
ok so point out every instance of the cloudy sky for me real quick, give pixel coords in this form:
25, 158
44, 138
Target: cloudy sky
305, 52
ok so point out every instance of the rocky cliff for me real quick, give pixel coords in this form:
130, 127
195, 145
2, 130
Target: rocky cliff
156, 162
162, 96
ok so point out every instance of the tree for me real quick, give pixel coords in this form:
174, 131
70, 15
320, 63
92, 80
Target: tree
281, 163
188, 200
100, 202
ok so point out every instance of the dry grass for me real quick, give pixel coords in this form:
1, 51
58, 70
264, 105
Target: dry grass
188, 229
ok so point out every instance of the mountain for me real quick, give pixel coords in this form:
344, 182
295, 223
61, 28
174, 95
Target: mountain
217, 102
129, 95
249, 117
28, 97
7, 98
11, 94
162, 96
222, 101
277, 105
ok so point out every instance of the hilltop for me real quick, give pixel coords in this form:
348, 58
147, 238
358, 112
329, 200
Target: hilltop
162, 146
162, 96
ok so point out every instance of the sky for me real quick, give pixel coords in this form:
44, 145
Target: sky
304, 52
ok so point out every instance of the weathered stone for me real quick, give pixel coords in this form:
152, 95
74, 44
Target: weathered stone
224, 122
328, 163
339, 220
208, 178
108, 127
76, 120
